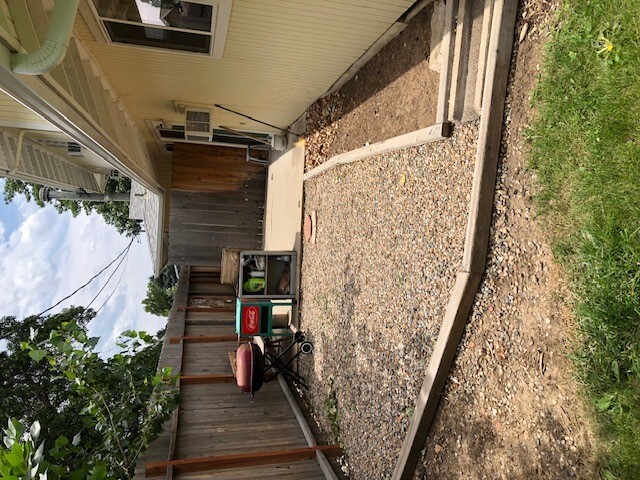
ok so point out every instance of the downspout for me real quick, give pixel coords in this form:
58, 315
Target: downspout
55, 44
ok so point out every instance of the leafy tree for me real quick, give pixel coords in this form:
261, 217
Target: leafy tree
114, 213
112, 408
13, 187
160, 292
30, 391
23, 456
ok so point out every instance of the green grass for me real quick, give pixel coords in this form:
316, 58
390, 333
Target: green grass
586, 153
330, 407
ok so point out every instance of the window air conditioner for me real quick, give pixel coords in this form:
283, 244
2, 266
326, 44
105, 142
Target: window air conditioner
74, 149
198, 124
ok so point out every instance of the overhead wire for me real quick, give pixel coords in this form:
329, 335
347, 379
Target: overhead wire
125, 257
116, 287
126, 249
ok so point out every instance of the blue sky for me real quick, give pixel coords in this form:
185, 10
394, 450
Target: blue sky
45, 255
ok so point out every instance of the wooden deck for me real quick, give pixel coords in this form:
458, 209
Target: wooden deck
217, 431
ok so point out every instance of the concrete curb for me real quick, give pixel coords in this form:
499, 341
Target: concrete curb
423, 136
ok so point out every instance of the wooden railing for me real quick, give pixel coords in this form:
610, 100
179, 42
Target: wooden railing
216, 427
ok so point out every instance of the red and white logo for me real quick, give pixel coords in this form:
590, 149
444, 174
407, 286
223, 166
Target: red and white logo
250, 320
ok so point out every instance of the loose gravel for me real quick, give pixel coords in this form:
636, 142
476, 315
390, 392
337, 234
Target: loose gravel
374, 287
390, 233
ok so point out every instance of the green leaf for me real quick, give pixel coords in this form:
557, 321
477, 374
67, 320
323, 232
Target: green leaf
98, 472
14, 459
145, 337
61, 441
78, 475
604, 402
37, 355
76, 440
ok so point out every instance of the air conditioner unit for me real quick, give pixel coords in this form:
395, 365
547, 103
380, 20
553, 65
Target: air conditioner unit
198, 124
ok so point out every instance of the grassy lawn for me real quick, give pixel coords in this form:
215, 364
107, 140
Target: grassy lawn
586, 153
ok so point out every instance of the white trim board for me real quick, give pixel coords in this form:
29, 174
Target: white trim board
416, 138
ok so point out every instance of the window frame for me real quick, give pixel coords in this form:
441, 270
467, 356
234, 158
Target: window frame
218, 33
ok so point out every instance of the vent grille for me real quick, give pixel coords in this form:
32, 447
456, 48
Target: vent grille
52, 142
198, 121
74, 149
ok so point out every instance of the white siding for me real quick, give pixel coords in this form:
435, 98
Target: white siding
14, 114
280, 56
41, 166
79, 82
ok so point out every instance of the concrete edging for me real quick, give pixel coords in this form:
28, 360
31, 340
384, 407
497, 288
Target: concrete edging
476, 240
423, 136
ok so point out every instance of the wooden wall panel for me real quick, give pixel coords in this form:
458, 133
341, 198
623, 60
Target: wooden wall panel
217, 201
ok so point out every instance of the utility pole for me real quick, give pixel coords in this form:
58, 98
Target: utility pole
47, 194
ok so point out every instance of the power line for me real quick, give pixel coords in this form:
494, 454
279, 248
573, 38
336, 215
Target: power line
90, 280
116, 287
109, 279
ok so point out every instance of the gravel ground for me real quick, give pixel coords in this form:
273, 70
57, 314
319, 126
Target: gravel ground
374, 286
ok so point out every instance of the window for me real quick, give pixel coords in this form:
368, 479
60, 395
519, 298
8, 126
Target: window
198, 26
167, 134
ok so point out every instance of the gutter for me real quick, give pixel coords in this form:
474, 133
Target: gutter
55, 44
37, 94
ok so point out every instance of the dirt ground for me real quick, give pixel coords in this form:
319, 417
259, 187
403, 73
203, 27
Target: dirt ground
511, 408
394, 93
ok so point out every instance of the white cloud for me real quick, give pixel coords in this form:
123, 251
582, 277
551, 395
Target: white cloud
50, 255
